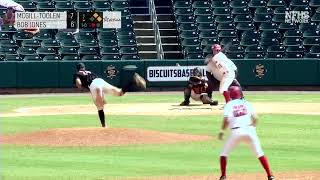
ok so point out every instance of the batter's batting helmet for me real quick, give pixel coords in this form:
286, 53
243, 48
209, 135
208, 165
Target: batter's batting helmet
235, 92
216, 47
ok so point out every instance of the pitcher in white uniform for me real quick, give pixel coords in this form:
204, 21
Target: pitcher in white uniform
241, 118
223, 71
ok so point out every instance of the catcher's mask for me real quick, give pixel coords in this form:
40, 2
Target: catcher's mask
196, 72
235, 92
80, 66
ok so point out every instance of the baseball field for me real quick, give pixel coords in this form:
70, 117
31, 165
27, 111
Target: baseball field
58, 137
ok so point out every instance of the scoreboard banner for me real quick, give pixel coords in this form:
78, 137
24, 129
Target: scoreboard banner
41, 20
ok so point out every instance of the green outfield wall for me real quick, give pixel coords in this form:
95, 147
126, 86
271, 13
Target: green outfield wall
164, 73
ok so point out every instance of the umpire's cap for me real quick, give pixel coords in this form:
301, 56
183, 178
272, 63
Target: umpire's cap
80, 66
235, 92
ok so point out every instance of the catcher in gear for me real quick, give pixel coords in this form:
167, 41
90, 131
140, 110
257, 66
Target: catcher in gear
197, 89
84, 79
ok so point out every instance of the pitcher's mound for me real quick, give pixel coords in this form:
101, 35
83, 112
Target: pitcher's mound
98, 137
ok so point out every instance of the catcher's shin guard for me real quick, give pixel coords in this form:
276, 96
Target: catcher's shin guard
187, 95
206, 100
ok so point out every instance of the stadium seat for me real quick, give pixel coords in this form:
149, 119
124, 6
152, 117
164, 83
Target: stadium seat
72, 43
307, 26
9, 43
203, 12
108, 43
21, 35
238, 4
127, 42
243, 19
190, 42
83, 6
192, 50
182, 4
188, 27
256, 49
295, 49
46, 6
87, 51
221, 11
183, 12
201, 4
9, 29
111, 57
91, 57
276, 3
194, 56
107, 35
234, 49
311, 41
228, 41
268, 26
296, 3
189, 35
315, 49
257, 3
32, 58
130, 57
292, 33
68, 51
227, 34
88, 43
50, 43
128, 51
204, 19
226, 27
283, 27
292, 41
254, 55
64, 35
206, 26
220, 4
44, 34
4, 36
24, 51
53, 57
271, 34
314, 3
209, 41
263, 10
235, 56
240, 11
276, 49
31, 43
311, 34
224, 19
64, 6
269, 42
71, 58
29, 5
101, 6
8, 50
2, 57
261, 18
245, 26
274, 55
207, 50
207, 34
13, 57
316, 17
312, 56
293, 55
185, 19
119, 5
278, 18
44, 51
109, 51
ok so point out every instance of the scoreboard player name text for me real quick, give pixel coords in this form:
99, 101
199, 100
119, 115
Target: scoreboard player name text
41, 20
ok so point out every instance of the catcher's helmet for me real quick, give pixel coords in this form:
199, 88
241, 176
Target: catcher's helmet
235, 92
216, 47
80, 66
197, 72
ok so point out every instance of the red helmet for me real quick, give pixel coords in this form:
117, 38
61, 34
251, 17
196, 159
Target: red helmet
216, 47
235, 92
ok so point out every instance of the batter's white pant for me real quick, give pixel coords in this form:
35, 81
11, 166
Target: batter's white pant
98, 85
195, 96
226, 81
246, 134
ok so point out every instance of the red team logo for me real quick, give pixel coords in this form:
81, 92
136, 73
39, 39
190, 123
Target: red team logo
239, 110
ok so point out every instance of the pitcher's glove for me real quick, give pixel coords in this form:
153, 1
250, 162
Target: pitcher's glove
139, 81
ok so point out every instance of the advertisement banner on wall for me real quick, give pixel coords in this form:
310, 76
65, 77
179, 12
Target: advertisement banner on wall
171, 73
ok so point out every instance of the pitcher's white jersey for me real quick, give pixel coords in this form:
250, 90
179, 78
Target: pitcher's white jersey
226, 61
239, 113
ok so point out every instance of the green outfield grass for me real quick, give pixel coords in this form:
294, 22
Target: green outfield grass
290, 141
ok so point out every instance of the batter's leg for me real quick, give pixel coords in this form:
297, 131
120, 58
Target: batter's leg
213, 83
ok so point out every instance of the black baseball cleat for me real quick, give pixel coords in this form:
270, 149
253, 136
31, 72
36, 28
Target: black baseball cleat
185, 103
214, 103
271, 178
222, 178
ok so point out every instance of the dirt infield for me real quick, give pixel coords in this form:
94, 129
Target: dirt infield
98, 137
166, 109
301, 175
